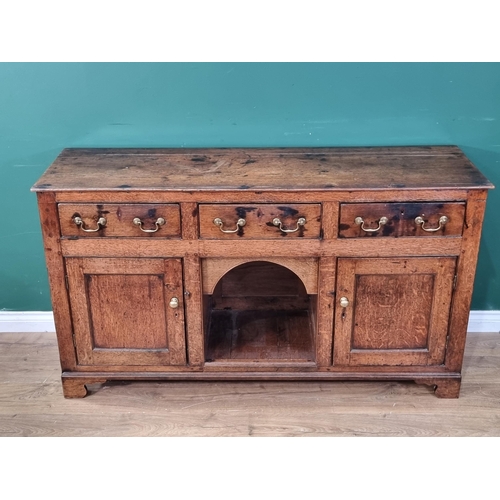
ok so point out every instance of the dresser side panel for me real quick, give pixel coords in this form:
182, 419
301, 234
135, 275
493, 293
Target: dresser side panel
49, 220
466, 270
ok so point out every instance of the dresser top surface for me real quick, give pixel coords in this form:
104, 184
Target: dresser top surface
276, 169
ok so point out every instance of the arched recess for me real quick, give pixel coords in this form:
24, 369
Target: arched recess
213, 269
260, 309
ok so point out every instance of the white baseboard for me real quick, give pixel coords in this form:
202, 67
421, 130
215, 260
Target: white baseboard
26, 321
484, 321
33, 321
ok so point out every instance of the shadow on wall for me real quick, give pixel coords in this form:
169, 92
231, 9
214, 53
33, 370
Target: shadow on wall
486, 285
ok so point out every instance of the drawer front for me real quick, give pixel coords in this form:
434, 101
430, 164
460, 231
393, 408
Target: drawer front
260, 221
359, 220
91, 220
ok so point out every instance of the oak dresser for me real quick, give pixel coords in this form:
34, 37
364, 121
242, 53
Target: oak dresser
262, 264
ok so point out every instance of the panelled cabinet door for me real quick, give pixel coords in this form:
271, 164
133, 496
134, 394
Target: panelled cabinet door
127, 311
392, 311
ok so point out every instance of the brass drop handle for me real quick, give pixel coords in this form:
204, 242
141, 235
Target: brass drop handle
240, 223
360, 222
100, 224
300, 223
442, 221
174, 303
344, 301
159, 222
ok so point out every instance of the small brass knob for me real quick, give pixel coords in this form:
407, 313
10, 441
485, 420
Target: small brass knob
344, 302
174, 303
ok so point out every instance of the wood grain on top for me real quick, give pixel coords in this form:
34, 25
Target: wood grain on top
301, 169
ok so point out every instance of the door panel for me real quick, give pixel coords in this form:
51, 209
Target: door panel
397, 312
378, 298
121, 312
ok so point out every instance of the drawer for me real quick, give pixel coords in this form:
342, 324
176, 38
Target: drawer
358, 220
260, 221
129, 220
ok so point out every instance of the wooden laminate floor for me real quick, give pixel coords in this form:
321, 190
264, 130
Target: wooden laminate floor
31, 402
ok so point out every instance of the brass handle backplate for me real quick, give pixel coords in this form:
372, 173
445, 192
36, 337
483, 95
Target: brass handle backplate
240, 223
100, 224
159, 222
300, 223
442, 221
360, 222
174, 303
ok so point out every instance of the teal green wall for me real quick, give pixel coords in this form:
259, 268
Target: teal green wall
47, 107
